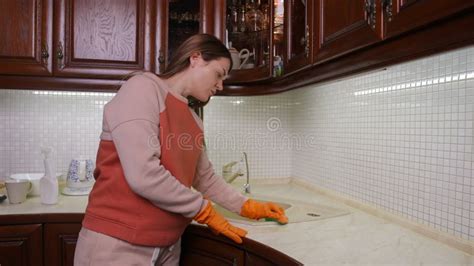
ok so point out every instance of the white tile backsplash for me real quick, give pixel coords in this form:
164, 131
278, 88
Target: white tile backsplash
400, 138
258, 125
70, 122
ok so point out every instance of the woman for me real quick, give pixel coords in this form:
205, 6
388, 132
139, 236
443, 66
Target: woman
150, 155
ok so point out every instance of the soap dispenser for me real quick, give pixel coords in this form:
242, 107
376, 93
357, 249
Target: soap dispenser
49, 183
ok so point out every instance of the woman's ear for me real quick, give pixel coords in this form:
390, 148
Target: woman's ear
194, 58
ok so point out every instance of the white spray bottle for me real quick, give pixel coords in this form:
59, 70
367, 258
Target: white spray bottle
49, 183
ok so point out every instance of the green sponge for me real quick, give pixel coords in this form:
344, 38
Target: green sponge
272, 220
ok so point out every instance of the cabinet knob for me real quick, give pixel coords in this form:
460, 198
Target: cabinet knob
60, 55
161, 57
44, 53
306, 48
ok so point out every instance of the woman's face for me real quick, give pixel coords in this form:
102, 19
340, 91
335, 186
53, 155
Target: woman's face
207, 76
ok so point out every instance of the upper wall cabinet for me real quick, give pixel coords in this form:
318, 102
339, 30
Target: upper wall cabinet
26, 27
344, 26
276, 45
269, 38
250, 28
109, 38
404, 15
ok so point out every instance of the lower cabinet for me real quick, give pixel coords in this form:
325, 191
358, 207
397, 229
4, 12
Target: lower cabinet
52, 244
60, 243
21, 245
206, 251
200, 247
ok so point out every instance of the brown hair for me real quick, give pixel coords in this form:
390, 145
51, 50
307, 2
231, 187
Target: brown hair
207, 45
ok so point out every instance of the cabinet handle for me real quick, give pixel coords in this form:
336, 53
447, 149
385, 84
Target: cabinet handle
370, 10
161, 57
306, 48
44, 53
387, 7
60, 55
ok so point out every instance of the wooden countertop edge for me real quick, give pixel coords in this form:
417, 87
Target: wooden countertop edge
14, 219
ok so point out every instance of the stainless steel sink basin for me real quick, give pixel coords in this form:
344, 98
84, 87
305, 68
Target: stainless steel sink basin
296, 212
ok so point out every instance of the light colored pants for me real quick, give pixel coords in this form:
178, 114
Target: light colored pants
98, 249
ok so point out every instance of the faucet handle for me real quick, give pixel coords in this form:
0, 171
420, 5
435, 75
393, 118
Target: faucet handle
228, 166
228, 174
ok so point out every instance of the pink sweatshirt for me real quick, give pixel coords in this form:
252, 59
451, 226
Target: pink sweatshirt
149, 156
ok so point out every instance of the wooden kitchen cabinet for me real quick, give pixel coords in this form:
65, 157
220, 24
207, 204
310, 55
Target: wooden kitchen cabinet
94, 45
103, 38
272, 37
60, 243
344, 26
207, 251
26, 45
403, 15
201, 247
52, 239
255, 30
21, 245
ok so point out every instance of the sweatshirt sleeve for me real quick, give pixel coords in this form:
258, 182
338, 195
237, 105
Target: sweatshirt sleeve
214, 186
133, 119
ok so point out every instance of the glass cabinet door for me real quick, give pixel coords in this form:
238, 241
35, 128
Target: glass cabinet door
177, 20
248, 36
183, 22
299, 34
268, 38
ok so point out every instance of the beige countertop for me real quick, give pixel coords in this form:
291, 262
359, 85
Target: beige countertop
357, 238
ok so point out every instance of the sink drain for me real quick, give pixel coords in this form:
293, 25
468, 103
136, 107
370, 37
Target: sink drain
313, 214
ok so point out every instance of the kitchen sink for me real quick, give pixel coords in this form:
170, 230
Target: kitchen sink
296, 212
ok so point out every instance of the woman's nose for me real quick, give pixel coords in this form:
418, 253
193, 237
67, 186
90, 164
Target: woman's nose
220, 85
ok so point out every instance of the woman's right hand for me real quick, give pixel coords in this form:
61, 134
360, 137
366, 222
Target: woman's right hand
255, 210
218, 224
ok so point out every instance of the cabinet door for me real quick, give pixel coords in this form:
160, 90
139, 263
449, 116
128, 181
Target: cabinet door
199, 250
299, 34
61, 242
177, 21
403, 15
21, 245
255, 37
344, 26
110, 38
26, 27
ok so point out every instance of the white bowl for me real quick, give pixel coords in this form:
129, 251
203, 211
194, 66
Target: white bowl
34, 178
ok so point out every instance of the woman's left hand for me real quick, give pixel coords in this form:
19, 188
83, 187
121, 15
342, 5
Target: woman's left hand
256, 210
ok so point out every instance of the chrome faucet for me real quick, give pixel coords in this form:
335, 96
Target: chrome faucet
229, 176
247, 184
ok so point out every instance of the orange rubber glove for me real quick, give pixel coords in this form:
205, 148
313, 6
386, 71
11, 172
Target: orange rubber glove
256, 210
218, 224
